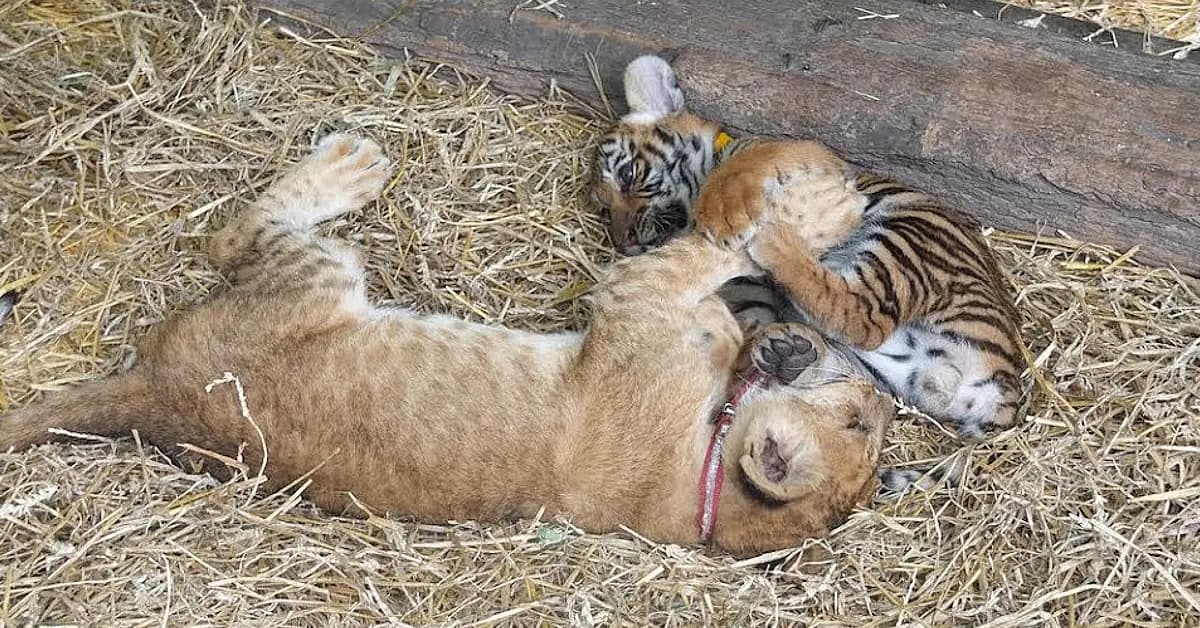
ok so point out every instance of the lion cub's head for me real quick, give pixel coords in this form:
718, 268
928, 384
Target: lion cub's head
800, 463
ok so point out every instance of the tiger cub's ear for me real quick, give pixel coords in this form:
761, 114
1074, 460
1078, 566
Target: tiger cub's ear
651, 88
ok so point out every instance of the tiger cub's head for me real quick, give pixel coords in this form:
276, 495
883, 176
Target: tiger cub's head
652, 163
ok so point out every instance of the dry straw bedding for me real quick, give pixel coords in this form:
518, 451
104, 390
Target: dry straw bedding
130, 130
1173, 19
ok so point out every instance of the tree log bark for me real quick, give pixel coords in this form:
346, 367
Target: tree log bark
1028, 129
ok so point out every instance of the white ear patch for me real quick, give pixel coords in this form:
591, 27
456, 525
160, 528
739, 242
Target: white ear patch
651, 88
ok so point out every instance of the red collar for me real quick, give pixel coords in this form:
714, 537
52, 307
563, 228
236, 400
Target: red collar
712, 474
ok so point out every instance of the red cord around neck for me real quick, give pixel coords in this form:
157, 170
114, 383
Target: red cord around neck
712, 474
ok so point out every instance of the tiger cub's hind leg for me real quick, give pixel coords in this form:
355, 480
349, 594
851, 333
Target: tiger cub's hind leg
949, 380
272, 246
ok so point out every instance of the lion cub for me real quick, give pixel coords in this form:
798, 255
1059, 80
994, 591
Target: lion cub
436, 418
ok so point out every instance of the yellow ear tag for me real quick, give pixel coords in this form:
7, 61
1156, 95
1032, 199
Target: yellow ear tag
723, 140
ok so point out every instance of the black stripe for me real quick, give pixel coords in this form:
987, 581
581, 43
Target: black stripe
950, 233
889, 304
943, 262
662, 136
690, 181
988, 318
923, 229
655, 152
918, 279
866, 305
1005, 381
875, 375
971, 246
973, 299
979, 343
995, 322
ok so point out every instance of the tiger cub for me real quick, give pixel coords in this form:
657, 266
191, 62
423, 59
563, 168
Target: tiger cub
907, 282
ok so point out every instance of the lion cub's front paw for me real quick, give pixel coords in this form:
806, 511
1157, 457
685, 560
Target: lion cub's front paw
784, 351
343, 173
719, 332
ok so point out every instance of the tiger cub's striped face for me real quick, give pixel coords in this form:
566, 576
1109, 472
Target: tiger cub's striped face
651, 165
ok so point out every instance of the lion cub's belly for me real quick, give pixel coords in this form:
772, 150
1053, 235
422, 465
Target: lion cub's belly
425, 416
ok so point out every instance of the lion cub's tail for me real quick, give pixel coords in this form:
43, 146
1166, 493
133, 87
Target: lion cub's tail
109, 407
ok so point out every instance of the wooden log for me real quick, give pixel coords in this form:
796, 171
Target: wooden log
1029, 129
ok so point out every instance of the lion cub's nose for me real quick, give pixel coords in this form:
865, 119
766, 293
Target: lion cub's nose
775, 465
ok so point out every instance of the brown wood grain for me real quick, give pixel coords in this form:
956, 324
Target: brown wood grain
1030, 130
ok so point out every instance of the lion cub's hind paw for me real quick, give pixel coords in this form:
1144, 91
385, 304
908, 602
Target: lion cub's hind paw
343, 173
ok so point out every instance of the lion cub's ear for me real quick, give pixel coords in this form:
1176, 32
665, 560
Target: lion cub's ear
782, 461
651, 88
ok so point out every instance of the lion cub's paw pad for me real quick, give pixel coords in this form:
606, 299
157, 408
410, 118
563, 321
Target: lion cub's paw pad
784, 356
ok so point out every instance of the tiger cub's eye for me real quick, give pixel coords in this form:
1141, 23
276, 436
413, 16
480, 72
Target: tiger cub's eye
625, 176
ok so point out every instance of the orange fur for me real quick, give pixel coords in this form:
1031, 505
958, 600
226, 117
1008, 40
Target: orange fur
735, 195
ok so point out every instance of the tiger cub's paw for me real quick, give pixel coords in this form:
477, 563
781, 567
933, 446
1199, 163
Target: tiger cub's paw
978, 412
938, 386
343, 173
729, 205
784, 351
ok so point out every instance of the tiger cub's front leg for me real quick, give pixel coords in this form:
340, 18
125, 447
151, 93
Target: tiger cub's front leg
843, 306
739, 192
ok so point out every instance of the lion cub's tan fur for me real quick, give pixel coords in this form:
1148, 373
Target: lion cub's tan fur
437, 418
